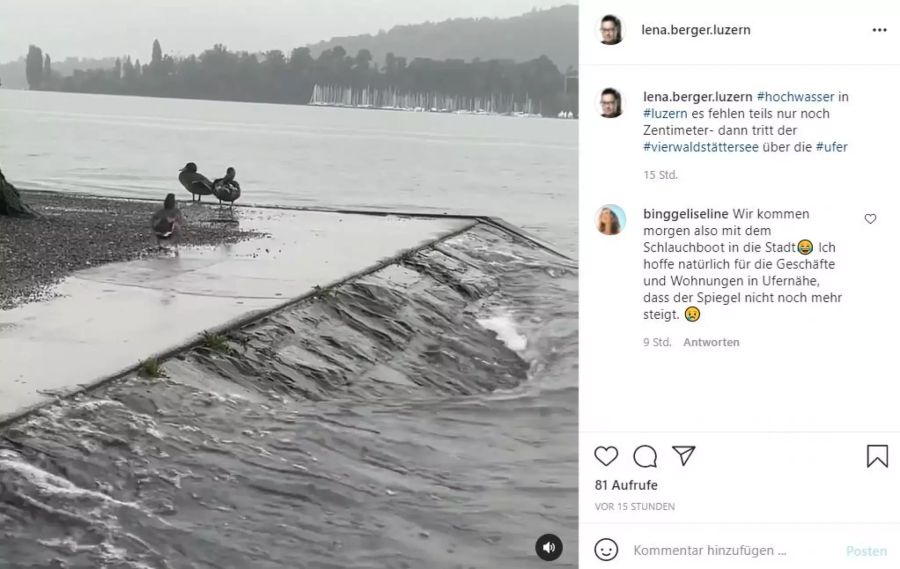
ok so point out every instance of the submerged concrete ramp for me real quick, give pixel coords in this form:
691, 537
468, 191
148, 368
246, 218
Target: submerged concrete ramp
104, 321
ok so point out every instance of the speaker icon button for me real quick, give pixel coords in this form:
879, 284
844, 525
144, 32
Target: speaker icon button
548, 547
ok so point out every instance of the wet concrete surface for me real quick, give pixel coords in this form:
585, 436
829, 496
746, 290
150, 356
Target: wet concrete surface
77, 232
107, 319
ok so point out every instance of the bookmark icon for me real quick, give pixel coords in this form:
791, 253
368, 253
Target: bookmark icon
877, 454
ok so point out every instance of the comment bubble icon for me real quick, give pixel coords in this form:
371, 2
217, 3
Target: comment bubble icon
645, 456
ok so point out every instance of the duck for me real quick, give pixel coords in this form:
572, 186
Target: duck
194, 182
226, 188
166, 222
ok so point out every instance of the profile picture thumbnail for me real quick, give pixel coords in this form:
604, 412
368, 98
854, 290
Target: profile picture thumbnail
610, 30
610, 103
610, 220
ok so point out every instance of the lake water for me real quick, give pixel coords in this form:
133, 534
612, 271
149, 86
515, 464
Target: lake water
523, 170
421, 416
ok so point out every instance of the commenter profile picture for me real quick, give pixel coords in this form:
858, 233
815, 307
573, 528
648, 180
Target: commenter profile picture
610, 102
610, 220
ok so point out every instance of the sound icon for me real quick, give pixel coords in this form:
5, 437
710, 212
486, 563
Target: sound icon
548, 547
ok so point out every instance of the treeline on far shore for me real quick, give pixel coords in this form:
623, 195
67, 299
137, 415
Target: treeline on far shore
274, 77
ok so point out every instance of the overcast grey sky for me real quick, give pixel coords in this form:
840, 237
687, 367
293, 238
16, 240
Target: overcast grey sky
97, 28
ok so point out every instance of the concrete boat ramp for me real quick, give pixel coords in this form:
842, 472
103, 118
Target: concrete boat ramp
104, 321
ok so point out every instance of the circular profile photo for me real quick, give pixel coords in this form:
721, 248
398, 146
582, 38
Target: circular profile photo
610, 103
610, 220
610, 30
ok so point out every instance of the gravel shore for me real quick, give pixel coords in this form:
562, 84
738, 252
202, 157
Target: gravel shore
77, 232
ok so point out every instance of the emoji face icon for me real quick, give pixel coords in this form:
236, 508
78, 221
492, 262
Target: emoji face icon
805, 247
692, 314
606, 549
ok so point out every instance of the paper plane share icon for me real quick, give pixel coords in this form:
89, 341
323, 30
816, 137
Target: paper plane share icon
684, 453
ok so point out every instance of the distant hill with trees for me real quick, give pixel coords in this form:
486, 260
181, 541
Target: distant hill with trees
552, 32
512, 80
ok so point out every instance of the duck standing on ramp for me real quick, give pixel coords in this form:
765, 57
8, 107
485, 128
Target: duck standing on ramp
166, 222
227, 189
194, 182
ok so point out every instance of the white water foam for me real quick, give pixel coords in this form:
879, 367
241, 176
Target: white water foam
49, 484
504, 326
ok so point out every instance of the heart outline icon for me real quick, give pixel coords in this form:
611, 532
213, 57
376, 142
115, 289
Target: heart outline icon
870, 218
606, 455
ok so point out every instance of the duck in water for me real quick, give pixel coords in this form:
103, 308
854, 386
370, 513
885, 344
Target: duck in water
194, 182
166, 222
227, 189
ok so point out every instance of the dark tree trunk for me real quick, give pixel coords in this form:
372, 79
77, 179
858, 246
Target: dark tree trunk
11, 202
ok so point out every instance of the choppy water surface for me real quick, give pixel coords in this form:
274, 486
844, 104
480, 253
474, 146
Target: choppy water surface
523, 170
420, 416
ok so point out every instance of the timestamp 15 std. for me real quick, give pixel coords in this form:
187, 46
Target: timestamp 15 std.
660, 175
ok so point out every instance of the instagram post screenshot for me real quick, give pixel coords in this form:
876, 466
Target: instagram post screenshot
290, 284
737, 403
409, 284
